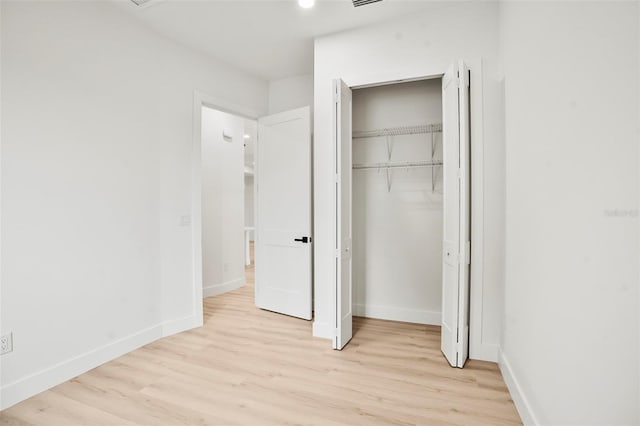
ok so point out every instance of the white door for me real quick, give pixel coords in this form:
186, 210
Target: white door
283, 220
343, 257
456, 235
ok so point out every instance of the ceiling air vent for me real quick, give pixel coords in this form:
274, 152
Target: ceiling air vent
357, 3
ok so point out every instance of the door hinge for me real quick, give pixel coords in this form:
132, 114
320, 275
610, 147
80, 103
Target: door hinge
338, 254
464, 257
467, 252
336, 95
464, 80
336, 178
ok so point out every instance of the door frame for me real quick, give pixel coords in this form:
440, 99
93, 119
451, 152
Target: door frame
477, 348
201, 99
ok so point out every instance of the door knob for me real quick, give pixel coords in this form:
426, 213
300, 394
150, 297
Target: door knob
303, 240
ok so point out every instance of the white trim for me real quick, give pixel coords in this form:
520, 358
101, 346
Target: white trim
2, 330
26, 387
323, 330
181, 324
396, 81
390, 76
393, 313
216, 289
522, 403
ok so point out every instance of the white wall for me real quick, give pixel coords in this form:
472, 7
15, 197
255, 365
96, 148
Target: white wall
223, 196
570, 350
97, 130
421, 45
397, 234
249, 218
251, 130
290, 93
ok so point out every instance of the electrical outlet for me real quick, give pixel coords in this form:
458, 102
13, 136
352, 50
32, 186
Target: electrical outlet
6, 343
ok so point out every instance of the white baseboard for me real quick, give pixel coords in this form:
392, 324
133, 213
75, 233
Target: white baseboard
483, 352
518, 396
181, 324
33, 384
322, 329
392, 313
13, 393
216, 289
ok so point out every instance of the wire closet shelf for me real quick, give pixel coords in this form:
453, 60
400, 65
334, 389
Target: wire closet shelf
399, 165
398, 131
389, 133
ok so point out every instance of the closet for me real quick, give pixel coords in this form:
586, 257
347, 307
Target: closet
397, 201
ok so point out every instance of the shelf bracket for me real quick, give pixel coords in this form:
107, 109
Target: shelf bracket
433, 180
388, 180
433, 169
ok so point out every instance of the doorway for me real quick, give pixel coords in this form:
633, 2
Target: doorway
398, 202
376, 258
226, 196
236, 143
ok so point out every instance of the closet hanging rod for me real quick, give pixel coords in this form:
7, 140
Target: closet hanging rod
408, 165
397, 131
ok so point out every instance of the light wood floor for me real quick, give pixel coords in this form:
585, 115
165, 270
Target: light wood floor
251, 367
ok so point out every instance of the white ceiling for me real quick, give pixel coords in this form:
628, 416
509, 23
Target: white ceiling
269, 39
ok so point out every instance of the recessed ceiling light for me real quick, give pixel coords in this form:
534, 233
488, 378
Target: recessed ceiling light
306, 4
247, 136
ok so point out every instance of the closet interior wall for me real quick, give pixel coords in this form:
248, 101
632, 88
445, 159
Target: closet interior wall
397, 218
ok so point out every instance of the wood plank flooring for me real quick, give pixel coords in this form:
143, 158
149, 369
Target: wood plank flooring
252, 367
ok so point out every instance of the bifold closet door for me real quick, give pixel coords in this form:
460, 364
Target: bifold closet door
283, 220
343, 257
456, 232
